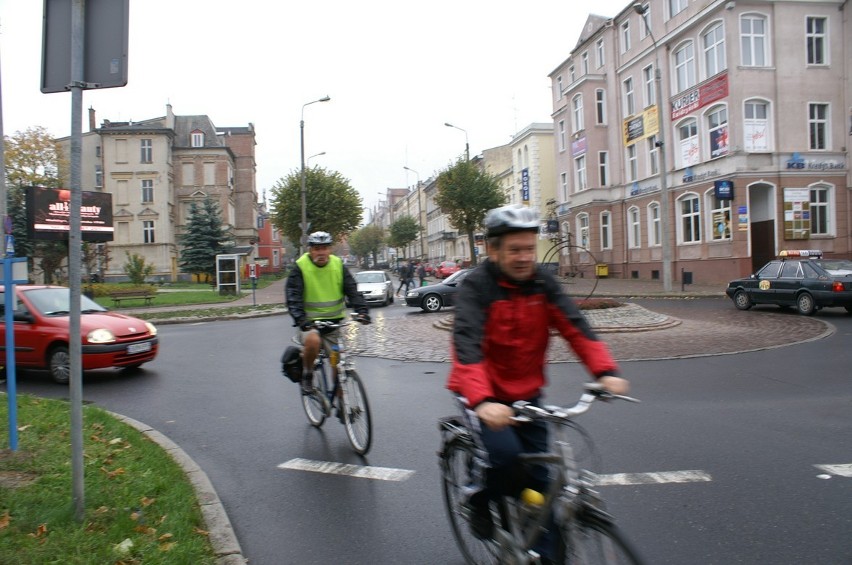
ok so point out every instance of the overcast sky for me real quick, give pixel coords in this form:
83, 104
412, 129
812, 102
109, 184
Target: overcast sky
396, 71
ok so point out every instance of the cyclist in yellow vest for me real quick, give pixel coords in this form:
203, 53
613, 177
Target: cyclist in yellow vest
316, 289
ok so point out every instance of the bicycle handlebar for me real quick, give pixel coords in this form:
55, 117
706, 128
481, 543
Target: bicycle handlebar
328, 324
526, 412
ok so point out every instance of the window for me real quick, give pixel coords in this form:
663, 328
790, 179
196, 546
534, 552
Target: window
688, 136
563, 177
632, 164
583, 230
562, 135
648, 80
634, 235
817, 41
600, 106
714, 50
97, 150
720, 219
585, 59
654, 239
603, 167
571, 74
625, 36
646, 24
653, 156
677, 6
690, 218
99, 176
148, 231
146, 146
577, 110
820, 224
147, 190
685, 67
717, 127
629, 100
580, 172
599, 48
559, 87
817, 126
197, 139
606, 240
753, 40
756, 126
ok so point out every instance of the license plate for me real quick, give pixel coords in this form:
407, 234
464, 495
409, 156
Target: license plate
134, 348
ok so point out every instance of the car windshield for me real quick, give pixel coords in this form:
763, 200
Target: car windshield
369, 277
455, 277
836, 267
56, 301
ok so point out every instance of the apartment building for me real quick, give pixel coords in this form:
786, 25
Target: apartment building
155, 169
750, 141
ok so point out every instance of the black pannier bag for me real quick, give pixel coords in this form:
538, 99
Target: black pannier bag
291, 364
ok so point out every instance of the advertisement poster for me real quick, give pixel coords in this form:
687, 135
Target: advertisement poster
742, 218
797, 213
719, 142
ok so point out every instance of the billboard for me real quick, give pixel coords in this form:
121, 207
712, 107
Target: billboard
49, 214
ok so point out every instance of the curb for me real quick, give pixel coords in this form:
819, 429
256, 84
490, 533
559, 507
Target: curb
220, 532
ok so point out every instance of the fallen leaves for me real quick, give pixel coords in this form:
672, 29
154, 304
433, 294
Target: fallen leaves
5, 519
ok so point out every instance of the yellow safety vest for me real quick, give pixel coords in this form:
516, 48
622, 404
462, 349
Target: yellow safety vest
323, 288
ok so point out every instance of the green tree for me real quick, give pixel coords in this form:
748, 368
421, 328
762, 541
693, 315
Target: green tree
402, 232
465, 194
137, 269
332, 205
367, 241
33, 159
204, 239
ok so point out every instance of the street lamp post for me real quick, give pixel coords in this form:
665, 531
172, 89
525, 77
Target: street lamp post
304, 241
308, 160
466, 144
665, 241
419, 214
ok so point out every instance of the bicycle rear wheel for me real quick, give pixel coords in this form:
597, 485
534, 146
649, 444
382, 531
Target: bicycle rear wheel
593, 540
457, 465
356, 412
315, 402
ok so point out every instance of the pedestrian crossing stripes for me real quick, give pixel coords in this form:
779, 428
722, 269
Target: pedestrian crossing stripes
362, 472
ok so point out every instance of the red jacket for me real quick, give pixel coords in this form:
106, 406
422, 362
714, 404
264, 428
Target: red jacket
501, 333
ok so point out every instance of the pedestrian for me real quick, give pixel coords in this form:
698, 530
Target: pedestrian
404, 277
421, 273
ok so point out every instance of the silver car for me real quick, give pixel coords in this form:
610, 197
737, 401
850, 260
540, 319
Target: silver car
375, 286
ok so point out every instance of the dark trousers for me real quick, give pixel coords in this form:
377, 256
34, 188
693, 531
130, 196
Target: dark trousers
404, 282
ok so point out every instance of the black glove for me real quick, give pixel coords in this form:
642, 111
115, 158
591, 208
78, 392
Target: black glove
305, 325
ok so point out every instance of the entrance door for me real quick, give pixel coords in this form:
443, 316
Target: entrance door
761, 202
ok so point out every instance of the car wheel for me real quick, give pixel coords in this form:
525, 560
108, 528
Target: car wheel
59, 363
390, 298
432, 303
742, 301
805, 304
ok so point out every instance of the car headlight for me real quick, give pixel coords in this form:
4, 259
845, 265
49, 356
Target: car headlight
100, 335
151, 328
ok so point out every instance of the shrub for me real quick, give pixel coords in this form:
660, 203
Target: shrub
598, 303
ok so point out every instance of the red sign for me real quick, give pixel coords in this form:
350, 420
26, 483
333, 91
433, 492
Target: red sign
714, 89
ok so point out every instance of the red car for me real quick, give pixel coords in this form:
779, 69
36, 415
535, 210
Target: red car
445, 269
41, 319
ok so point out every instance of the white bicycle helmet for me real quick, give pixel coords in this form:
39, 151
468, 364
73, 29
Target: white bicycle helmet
319, 238
511, 218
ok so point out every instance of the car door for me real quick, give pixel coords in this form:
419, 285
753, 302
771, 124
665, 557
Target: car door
27, 350
453, 291
762, 288
788, 283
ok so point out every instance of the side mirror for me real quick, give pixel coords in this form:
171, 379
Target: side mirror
23, 317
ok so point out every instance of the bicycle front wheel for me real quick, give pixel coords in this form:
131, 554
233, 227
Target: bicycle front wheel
356, 412
457, 464
595, 541
315, 402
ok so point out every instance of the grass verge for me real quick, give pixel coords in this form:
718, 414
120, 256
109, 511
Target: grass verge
139, 506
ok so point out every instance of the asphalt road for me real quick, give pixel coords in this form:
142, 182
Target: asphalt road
755, 423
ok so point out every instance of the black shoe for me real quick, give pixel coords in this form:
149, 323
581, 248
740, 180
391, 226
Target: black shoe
340, 414
307, 385
481, 523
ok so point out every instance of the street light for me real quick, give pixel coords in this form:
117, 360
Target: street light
466, 144
312, 156
419, 214
304, 241
665, 242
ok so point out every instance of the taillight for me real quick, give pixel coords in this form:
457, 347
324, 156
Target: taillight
837, 286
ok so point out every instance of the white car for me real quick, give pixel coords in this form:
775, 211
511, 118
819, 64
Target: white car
375, 286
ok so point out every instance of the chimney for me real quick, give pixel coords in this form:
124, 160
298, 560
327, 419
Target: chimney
92, 122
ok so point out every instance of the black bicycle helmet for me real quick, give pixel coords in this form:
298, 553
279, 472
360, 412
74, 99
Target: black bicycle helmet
319, 238
511, 218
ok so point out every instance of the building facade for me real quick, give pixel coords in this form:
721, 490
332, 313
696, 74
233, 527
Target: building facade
155, 169
750, 141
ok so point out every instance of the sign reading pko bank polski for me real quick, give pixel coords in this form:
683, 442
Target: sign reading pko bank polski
49, 214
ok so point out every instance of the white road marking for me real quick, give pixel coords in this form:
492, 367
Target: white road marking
841, 470
653, 478
362, 472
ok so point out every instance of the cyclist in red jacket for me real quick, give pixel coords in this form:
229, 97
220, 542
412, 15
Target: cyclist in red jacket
504, 314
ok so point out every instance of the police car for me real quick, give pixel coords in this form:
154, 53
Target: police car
800, 278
